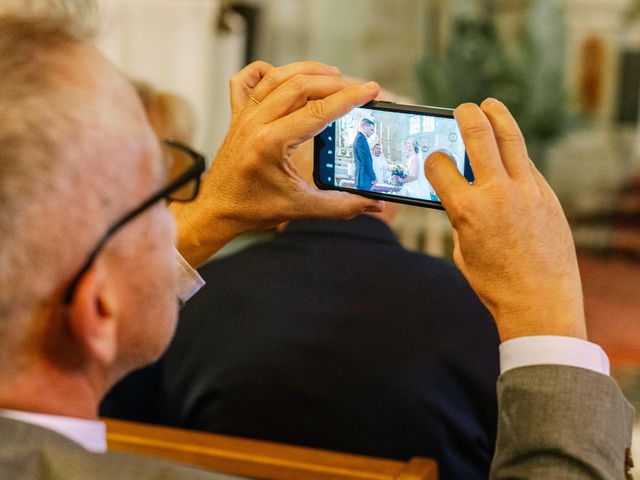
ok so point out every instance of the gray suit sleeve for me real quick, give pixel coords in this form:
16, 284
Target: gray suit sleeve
560, 422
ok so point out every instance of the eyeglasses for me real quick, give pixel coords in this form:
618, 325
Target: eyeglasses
185, 168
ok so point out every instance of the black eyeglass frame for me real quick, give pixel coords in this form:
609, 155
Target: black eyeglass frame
193, 173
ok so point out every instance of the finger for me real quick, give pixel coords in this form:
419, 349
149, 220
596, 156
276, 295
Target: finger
458, 258
445, 178
535, 173
338, 205
310, 120
302, 160
277, 76
511, 144
479, 140
540, 181
457, 255
455, 237
243, 83
294, 94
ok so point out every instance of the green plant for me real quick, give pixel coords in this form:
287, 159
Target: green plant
528, 77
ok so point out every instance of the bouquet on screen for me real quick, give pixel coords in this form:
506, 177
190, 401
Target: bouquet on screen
397, 171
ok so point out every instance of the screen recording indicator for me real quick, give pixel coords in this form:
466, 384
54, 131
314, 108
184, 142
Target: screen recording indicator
381, 148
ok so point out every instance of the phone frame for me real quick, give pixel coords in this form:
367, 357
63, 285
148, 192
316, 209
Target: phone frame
319, 145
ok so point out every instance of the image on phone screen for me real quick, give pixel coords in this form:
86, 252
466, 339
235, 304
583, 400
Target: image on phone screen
381, 148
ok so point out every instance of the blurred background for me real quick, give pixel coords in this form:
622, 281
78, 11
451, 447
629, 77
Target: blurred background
568, 69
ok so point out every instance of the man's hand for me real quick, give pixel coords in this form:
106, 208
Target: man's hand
511, 238
253, 183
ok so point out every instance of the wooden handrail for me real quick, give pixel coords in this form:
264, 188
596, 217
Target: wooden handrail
258, 458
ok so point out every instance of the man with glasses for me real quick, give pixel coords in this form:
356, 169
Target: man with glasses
88, 276
87, 265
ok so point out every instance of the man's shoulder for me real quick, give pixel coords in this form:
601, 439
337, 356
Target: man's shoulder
387, 254
108, 466
81, 464
35, 453
431, 268
246, 257
140, 468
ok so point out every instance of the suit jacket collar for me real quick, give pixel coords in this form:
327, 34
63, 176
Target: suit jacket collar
32, 436
91, 434
363, 226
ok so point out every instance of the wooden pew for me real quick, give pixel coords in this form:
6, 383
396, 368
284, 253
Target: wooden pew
257, 458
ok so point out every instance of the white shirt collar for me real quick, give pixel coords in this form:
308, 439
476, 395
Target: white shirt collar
90, 434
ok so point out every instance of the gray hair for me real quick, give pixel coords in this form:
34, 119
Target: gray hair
62, 157
84, 13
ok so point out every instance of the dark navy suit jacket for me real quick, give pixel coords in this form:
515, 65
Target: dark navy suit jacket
364, 163
332, 335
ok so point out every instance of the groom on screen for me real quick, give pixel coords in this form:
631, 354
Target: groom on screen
365, 176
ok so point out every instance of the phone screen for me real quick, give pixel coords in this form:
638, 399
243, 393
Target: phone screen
379, 150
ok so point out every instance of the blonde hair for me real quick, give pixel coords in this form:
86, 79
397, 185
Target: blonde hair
170, 115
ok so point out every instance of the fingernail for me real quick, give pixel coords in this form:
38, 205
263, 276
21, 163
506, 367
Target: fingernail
371, 86
333, 69
441, 150
490, 101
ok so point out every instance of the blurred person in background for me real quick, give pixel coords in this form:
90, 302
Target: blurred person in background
171, 116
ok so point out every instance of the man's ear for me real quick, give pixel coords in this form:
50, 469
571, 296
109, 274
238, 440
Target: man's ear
92, 318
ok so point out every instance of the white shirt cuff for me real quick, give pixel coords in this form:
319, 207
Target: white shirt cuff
552, 350
189, 280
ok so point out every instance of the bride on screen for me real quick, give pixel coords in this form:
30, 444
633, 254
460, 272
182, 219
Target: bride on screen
415, 183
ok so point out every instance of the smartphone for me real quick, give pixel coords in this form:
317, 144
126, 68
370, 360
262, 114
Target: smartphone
378, 150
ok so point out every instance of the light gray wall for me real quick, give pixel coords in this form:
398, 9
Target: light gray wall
371, 39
